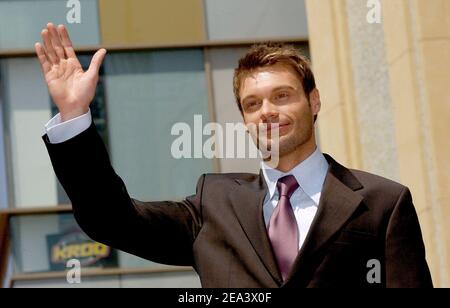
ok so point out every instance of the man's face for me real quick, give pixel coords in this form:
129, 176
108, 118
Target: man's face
275, 95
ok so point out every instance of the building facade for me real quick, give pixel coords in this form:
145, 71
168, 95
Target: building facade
380, 66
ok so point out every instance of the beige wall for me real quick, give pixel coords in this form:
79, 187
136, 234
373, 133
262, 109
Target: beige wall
133, 21
386, 101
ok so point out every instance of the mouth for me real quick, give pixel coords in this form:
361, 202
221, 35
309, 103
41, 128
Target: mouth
282, 128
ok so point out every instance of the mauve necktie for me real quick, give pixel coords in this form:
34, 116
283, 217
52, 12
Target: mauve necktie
283, 230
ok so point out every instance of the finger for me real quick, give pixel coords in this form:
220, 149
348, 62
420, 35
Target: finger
97, 61
56, 42
51, 54
40, 52
66, 42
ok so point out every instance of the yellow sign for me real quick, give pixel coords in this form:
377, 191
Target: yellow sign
76, 251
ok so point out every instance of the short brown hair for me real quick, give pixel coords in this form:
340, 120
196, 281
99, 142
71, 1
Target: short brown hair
268, 54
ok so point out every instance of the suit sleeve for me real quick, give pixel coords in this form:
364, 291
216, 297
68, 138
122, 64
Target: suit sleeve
162, 232
406, 266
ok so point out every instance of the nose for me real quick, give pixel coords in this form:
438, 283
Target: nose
269, 112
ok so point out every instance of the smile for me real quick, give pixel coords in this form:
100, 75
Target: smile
282, 128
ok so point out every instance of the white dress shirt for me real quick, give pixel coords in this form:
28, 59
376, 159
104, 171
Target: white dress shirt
58, 131
310, 175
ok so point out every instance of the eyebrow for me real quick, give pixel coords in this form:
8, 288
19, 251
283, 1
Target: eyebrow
283, 88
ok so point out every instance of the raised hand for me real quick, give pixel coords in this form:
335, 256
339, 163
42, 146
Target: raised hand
71, 88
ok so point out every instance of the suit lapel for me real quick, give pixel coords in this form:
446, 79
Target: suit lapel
337, 204
247, 200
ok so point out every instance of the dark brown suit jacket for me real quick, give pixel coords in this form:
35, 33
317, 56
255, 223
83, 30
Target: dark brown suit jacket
220, 230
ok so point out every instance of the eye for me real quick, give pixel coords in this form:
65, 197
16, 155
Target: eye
282, 96
252, 104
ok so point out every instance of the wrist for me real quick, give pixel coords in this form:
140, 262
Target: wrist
72, 114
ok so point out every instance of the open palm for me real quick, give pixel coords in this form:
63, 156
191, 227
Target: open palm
71, 88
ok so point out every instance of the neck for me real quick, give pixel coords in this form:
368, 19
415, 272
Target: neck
290, 160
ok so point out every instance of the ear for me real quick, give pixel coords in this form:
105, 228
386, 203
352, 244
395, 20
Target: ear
314, 100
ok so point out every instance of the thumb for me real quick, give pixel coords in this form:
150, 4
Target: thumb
96, 61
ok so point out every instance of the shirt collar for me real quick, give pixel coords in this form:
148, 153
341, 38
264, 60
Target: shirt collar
310, 174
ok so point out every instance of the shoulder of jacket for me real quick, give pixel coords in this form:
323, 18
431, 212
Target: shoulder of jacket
374, 181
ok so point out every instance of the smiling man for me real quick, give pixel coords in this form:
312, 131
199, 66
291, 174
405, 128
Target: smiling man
306, 222
274, 86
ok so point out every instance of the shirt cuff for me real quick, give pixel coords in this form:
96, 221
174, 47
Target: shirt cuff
59, 132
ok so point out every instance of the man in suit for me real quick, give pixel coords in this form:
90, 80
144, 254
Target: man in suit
305, 222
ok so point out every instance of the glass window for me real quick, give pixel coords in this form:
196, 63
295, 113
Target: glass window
29, 17
45, 243
147, 93
251, 19
27, 109
27, 106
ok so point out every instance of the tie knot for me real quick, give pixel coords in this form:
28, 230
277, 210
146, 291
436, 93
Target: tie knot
287, 185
